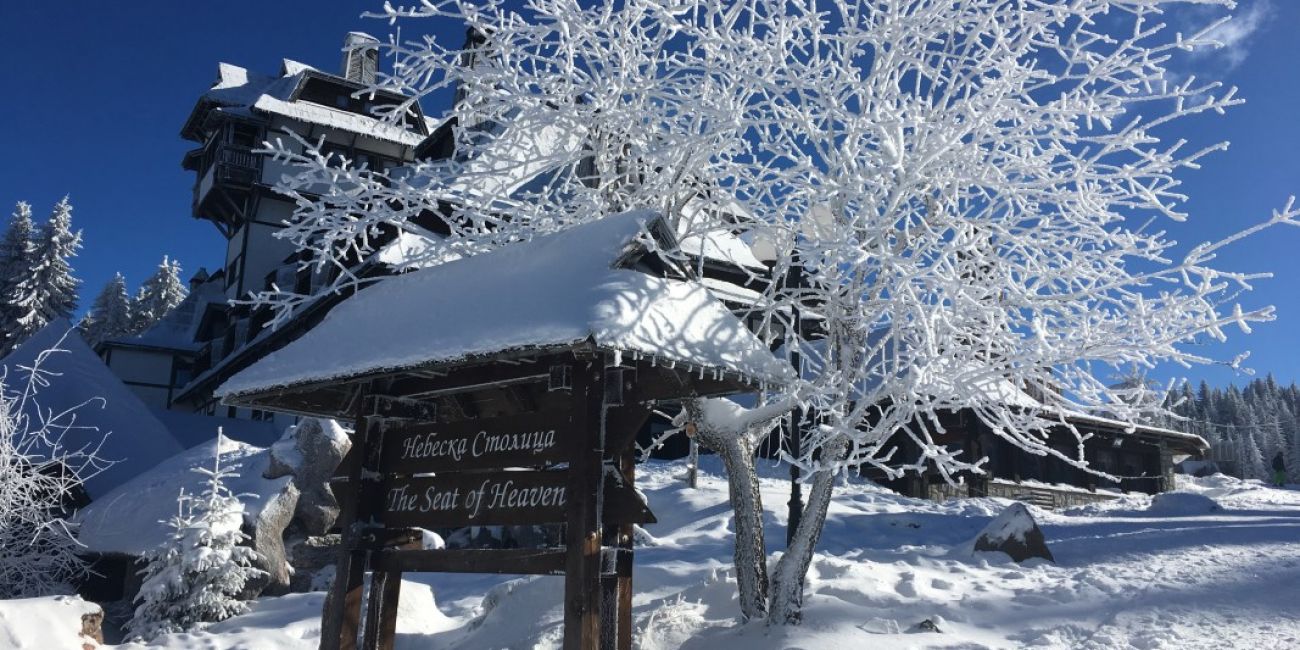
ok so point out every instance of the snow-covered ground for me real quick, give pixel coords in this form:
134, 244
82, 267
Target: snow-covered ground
1214, 565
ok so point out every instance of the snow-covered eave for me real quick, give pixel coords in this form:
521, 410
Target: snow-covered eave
1138, 429
322, 115
264, 395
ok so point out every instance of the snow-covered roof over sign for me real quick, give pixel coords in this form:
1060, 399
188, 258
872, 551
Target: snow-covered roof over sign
554, 291
133, 440
237, 90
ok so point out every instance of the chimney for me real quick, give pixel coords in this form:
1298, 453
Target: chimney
360, 58
199, 278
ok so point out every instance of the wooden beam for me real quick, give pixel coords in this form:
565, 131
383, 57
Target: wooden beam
523, 561
582, 592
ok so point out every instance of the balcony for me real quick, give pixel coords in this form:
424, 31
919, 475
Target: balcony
225, 167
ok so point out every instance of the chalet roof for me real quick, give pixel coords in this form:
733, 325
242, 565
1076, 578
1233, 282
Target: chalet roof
178, 328
554, 291
239, 91
110, 418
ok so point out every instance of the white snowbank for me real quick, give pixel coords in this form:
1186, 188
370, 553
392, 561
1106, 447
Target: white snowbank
49, 623
556, 290
129, 518
1221, 580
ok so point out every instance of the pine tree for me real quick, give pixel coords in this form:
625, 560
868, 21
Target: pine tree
1252, 459
197, 574
110, 315
48, 290
158, 295
15, 258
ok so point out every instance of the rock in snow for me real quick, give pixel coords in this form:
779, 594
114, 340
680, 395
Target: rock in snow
310, 452
1015, 533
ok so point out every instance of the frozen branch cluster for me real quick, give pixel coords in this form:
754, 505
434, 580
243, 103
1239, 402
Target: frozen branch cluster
40, 474
973, 191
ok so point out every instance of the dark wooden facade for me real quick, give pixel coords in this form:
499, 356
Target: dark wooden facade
1142, 459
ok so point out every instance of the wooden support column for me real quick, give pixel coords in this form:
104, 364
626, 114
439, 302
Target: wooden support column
582, 592
381, 610
624, 630
341, 621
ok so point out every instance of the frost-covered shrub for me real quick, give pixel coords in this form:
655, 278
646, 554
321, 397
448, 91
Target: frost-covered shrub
196, 575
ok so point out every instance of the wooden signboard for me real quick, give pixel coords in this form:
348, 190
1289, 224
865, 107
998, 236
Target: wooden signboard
455, 500
528, 440
408, 470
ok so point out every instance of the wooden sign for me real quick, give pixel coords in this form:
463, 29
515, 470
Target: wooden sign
499, 498
526, 440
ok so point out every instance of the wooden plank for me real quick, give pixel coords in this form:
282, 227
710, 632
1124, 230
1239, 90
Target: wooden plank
523, 561
582, 593
523, 440
456, 499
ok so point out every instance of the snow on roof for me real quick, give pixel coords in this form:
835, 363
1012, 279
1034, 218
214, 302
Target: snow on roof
237, 89
553, 291
178, 328
721, 245
133, 440
337, 119
700, 237
130, 519
515, 158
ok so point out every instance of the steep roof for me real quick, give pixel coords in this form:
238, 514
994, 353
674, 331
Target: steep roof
129, 438
178, 328
239, 91
554, 291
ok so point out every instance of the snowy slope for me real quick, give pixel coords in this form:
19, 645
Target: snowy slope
1127, 576
130, 518
133, 439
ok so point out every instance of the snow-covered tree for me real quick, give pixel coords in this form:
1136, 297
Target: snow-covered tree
39, 475
47, 290
15, 258
110, 315
197, 574
158, 295
969, 188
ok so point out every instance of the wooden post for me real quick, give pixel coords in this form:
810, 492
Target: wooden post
341, 621
348, 563
624, 631
582, 592
381, 610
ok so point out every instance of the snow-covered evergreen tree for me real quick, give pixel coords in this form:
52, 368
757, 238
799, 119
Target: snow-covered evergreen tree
48, 289
15, 258
38, 551
196, 575
159, 294
110, 315
1252, 459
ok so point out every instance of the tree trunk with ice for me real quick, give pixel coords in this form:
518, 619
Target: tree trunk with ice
735, 432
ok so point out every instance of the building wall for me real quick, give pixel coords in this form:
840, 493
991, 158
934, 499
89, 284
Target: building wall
147, 373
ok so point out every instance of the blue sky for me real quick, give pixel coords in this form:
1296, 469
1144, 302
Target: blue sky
97, 92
